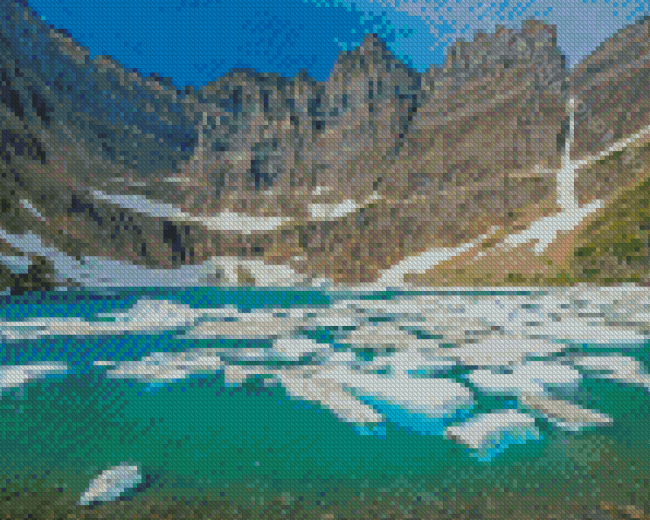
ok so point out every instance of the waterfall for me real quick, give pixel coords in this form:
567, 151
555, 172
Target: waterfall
566, 174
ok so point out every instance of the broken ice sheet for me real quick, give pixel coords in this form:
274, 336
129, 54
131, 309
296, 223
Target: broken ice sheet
385, 336
412, 363
420, 404
490, 434
14, 376
617, 367
563, 414
110, 484
332, 395
165, 366
501, 352
532, 378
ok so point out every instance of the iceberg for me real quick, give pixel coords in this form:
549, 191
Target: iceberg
490, 434
110, 484
14, 376
531, 378
332, 396
583, 330
165, 366
385, 336
415, 363
620, 368
296, 349
236, 375
564, 415
420, 404
501, 352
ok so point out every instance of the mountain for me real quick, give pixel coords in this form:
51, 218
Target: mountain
379, 176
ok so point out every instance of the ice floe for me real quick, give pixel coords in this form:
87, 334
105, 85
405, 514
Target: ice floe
575, 329
153, 316
257, 325
399, 360
414, 363
500, 352
166, 366
295, 349
385, 336
14, 376
490, 434
563, 414
331, 395
532, 378
111, 484
620, 368
434, 398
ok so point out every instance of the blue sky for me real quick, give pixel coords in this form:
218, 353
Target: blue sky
196, 41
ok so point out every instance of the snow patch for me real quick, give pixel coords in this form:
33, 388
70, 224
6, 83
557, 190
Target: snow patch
394, 276
225, 221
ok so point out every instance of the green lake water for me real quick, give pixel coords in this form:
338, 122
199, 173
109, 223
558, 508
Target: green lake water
197, 434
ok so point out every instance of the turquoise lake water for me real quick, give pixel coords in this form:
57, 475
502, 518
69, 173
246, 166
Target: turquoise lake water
200, 434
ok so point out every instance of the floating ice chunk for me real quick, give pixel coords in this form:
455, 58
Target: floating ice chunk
415, 363
398, 309
501, 352
157, 312
236, 375
563, 414
335, 321
502, 384
345, 358
531, 378
583, 330
434, 398
332, 396
146, 315
617, 367
548, 373
386, 335
295, 349
110, 484
490, 434
13, 376
255, 325
165, 366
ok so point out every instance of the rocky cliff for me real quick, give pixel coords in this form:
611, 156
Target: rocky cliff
119, 179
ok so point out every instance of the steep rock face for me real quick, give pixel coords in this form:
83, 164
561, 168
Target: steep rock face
371, 100
612, 104
98, 161
480, 126
495, 109
614, 76
85, 125
253, 138
273, 145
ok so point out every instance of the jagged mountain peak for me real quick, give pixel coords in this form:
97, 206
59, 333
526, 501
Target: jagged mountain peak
340, 179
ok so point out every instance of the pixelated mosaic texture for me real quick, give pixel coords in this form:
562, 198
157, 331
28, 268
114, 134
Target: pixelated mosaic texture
502, 168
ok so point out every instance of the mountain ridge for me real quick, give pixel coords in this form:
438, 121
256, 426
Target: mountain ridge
263, 180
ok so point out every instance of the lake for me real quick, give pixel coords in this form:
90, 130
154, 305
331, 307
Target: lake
204, 391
